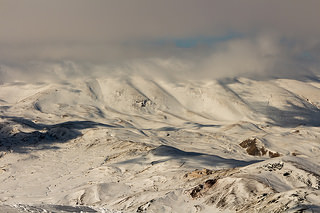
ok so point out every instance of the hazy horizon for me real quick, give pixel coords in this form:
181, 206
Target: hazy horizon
55, 40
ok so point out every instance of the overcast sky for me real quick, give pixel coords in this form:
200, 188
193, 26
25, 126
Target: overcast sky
217, 36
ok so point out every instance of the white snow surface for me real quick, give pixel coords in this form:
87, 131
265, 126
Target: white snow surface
140, 145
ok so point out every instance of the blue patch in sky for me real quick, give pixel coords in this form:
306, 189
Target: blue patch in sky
306, 56
190, 42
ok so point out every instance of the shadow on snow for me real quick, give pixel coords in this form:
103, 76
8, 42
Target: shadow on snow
40, 134
167, 153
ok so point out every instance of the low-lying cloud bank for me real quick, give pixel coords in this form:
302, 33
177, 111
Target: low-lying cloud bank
176, 39
258, 57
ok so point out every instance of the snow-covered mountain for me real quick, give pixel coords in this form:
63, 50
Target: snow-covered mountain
140, 145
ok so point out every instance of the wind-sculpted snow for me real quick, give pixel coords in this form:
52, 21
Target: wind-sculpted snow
140, 145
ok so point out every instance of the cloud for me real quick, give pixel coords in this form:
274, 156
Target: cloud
37, 37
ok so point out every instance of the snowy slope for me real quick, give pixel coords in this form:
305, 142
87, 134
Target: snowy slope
139, 145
